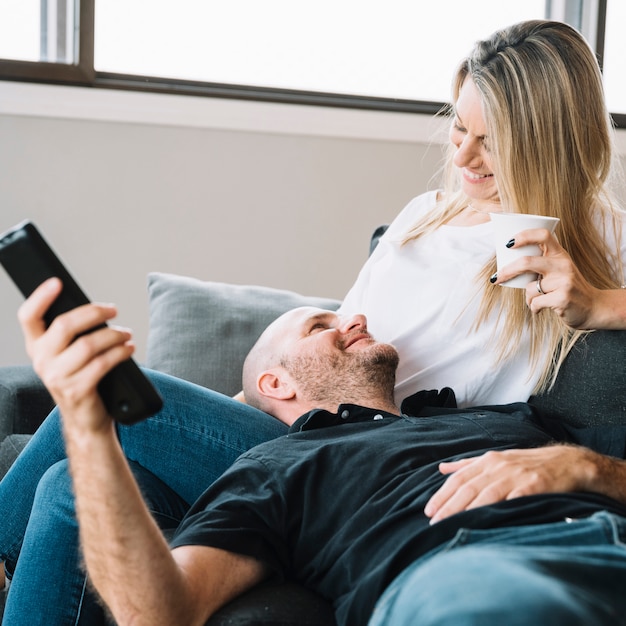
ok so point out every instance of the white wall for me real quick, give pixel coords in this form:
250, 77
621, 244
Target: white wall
124, 184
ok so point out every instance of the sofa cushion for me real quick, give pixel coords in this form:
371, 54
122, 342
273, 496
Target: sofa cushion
201, 331
591, 386
24, 401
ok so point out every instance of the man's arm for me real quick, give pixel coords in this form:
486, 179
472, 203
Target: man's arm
126, 555
127, 558
504, 475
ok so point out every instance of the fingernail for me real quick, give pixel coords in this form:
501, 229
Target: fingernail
53, 283
510, 243
493, 278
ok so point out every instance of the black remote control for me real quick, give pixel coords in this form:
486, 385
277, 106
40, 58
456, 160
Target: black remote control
126, 392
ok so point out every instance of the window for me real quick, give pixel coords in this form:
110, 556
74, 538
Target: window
614, 58
23, 17
391, 55
364, 48
47, 40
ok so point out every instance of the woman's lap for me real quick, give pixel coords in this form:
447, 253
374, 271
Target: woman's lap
187, 445
196, 436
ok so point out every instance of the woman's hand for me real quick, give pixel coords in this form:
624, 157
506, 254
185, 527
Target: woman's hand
564, 288
72, 367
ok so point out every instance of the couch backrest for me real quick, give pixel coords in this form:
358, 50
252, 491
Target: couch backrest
202, 331
591, 386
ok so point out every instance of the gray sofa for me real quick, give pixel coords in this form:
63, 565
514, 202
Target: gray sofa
201, 331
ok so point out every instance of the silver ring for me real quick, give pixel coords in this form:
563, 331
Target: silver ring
539, 289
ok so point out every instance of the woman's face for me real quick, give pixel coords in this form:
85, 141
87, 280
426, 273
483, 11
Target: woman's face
469, 134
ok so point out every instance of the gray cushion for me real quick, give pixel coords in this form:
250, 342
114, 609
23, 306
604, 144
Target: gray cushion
24, 401
201, 331
591, 386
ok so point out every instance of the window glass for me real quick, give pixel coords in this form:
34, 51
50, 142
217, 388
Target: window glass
19, 29
38, 30
614, 65
404, 49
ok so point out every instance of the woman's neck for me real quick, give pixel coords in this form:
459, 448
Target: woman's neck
474, 214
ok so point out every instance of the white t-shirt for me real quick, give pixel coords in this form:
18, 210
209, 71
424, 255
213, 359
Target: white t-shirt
423, 297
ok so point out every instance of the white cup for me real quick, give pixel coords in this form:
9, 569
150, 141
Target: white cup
505, 227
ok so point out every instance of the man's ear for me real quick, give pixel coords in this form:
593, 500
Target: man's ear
276, 384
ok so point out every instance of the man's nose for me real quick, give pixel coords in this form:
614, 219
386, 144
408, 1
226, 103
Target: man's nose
354, 322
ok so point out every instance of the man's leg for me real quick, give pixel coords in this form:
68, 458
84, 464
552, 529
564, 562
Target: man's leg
575, 579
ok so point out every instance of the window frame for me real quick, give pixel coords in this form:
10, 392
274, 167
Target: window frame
78, 74
83, 74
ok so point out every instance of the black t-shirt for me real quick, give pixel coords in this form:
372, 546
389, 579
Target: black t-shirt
337, 504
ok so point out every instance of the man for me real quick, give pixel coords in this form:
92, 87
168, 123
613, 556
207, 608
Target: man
341, 502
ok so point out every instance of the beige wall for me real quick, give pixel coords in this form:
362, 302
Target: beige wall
119, 199
275, 195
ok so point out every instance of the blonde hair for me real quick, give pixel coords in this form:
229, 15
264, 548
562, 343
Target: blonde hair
551, 140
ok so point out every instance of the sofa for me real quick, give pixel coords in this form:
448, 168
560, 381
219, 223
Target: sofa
201, 331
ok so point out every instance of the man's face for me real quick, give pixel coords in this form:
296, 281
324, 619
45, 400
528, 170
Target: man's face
334, 359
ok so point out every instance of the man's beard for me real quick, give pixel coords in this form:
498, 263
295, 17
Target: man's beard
346, 377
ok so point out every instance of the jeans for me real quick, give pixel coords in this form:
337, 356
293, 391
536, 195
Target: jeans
570, 573
175, 455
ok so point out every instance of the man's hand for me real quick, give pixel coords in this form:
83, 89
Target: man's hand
503, 475
72, 368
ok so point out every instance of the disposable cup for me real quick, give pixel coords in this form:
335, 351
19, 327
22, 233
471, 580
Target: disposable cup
505, 227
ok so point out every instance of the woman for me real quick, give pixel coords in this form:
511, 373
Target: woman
530, 133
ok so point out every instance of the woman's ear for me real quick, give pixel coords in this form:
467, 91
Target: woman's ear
276, 384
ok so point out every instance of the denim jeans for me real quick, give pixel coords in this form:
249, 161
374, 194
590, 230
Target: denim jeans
570, 573
175, 455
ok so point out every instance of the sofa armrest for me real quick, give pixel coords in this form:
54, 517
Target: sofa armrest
24, 401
